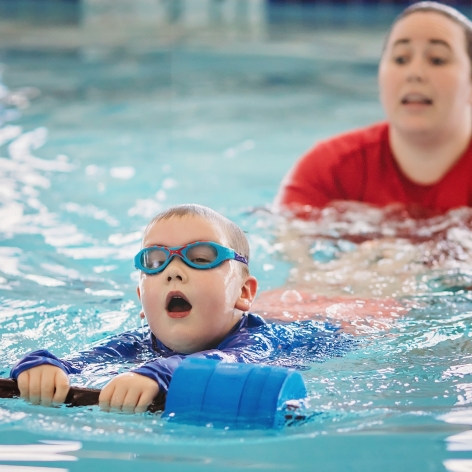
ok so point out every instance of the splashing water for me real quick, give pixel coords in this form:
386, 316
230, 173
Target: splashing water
355, 249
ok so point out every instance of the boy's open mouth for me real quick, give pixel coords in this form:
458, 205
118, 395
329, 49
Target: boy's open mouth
177, 305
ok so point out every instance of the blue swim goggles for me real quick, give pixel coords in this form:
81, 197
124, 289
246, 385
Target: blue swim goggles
199, 255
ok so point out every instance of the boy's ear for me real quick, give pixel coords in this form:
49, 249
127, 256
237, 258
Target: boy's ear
248, 292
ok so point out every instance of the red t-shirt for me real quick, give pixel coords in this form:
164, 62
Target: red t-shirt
359, 165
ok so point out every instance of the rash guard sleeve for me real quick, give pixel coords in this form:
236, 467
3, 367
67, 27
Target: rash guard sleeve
124, 346
42, 357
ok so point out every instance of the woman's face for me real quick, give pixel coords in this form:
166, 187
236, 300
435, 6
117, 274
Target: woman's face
425, 76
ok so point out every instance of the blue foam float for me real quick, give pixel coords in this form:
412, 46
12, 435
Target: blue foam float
204, 391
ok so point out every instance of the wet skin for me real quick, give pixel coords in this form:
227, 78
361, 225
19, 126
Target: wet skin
211, 301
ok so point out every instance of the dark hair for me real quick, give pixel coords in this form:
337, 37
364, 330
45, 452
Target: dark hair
236, 238
442, 9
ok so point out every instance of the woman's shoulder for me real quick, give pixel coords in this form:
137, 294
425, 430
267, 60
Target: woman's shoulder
337, 168
354, 141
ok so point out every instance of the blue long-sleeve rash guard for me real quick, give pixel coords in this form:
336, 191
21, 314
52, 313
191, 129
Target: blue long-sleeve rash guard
251, 340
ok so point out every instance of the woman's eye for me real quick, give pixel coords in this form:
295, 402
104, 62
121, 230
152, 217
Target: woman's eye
437, 61
400, 60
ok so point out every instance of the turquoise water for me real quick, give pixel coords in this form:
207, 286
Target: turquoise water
101, 129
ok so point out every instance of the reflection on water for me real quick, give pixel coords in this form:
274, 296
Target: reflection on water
354, 249
52, 451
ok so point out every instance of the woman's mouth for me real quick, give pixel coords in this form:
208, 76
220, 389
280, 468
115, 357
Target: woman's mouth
416, 99
177, 305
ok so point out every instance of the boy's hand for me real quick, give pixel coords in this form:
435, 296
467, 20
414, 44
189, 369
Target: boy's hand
128, 392
44, 384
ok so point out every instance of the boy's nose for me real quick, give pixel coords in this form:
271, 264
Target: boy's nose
176, 270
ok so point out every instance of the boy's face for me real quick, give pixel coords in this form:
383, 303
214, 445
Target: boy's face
188, 309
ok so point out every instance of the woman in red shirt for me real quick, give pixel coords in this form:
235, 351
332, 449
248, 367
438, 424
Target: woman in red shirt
422, 156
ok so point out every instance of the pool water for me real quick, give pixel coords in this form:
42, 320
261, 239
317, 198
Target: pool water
104, 123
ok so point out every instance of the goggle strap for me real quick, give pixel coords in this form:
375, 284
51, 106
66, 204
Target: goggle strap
240, 258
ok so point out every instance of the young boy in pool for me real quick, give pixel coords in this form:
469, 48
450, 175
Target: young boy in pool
195, 290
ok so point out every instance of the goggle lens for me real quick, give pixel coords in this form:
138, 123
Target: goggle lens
153, 258
201, 254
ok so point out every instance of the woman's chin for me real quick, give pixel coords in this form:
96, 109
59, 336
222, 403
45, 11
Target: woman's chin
419, 128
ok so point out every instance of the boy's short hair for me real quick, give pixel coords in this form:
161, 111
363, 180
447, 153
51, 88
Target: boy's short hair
236, 237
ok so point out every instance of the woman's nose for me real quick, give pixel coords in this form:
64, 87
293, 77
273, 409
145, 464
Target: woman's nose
176, 270
415, 71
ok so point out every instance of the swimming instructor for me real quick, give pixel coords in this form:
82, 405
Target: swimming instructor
422, 155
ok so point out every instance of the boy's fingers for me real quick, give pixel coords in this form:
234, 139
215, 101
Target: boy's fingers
118, 398
105, 396
23, 385
47, 387
145, 400
62, 388
131, 401
35, 386
130, 393
148, 393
